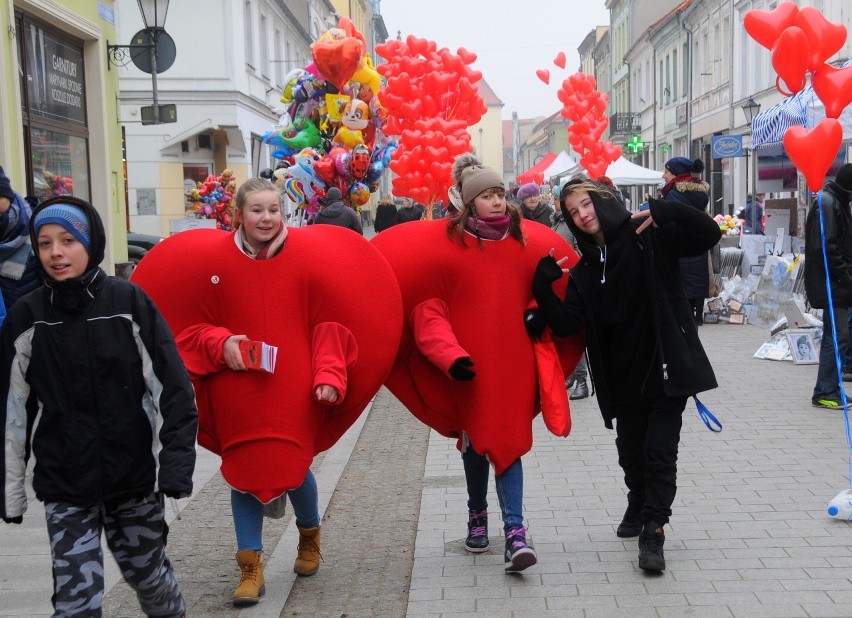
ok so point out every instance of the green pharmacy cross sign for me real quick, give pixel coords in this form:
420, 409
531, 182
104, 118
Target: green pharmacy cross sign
636, 145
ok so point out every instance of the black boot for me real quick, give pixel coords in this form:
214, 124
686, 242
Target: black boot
477, 531
571, 381
631, 523
581, 392
651, 542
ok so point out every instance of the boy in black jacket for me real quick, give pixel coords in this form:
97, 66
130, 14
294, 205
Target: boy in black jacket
93, 386
644, 352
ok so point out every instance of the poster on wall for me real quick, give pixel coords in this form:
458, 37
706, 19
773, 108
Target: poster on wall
56, 85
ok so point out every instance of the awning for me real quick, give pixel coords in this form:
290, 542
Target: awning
801, 109
231, 133
535, 170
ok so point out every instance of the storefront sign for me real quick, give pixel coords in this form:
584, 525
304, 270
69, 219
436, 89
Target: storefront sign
56, 84
727, 146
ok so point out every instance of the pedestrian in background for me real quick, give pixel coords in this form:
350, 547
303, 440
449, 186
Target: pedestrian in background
531, 205
18, 263
837, 225
683, 185
643, 347
115, 425
335, 212
385, 214
409, 211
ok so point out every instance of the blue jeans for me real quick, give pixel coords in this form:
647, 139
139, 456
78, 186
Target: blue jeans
510, 487
248, 513
828, 383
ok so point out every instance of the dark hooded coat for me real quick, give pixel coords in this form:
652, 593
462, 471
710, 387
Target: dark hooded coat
627, 295
694, 271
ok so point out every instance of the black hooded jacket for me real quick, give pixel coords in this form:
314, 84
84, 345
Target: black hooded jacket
338, 213
837, 222
92, 385
627, 295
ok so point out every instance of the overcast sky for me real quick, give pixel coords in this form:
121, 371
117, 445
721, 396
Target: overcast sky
511, 39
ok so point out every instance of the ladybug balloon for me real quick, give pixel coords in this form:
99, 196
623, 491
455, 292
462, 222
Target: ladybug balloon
359, 162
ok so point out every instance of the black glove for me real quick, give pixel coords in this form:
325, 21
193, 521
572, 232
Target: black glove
461, 369
177, 495
547, 271
534, 322
13, 520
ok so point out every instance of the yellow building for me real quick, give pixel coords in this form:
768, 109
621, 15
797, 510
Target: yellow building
59, 131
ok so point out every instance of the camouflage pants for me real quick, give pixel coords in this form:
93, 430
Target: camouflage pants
135, 533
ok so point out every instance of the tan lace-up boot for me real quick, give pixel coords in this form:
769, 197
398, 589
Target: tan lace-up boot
251, 586
308, 558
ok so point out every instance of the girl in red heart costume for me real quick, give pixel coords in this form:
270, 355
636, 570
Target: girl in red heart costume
320, 294
466, 365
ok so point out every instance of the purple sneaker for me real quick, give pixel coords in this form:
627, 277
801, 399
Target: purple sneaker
519, 555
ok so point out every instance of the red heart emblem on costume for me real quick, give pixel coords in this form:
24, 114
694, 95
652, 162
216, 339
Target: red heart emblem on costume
766, 26
543, 75
324, 170
560, 60
790, 58
813, 152
833, 86
824, 37
338, 60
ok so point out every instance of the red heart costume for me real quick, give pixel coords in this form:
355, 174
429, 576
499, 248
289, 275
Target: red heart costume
462, 300
331, 304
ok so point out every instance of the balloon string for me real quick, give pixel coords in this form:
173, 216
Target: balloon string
832, 317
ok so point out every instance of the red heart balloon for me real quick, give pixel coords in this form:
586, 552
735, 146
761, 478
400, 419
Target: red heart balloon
766, 26
790, 58
338, 60
467, 57
560, 60
543, 75
813, 152
538, 178
325, 170
833, 86
824, 37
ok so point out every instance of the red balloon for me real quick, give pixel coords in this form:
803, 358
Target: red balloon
766, 26
325, 170
338, 60
833, 86
790, 58
560, 60
824, 37
466, 56
543, 75
814, 151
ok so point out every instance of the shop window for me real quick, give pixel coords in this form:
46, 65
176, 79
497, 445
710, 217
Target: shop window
53, 105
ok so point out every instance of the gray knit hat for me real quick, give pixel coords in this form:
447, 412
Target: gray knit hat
472, 177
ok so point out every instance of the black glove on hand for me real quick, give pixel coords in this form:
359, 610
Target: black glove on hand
13, 520
461, 369
177, 495
534, 322
547, 271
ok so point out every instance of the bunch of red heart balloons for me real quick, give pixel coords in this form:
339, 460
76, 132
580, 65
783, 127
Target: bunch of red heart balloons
585, 106
431, 98
801, 41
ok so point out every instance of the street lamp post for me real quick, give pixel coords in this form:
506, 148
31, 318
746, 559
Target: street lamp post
751, 109
157, 42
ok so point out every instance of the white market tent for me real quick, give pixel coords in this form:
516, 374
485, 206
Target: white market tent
621, 171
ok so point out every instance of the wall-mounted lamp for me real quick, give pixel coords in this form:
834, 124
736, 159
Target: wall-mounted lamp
161, 55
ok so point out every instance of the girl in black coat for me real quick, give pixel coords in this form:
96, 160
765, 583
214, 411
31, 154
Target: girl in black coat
645, 355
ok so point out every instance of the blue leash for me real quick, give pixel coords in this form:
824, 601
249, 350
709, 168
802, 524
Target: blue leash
706, 415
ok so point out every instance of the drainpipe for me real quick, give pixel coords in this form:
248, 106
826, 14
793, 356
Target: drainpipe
688, 59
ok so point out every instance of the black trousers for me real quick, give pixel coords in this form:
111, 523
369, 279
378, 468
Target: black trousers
648, 433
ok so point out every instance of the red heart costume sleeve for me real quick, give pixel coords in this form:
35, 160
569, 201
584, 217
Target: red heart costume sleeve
331, 304
463, 300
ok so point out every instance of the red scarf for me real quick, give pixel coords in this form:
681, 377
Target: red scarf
682, 178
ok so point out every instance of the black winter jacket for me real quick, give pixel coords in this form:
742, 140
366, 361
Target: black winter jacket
664, 352
93, 386
338, 213
542, 214
837, 221
694, 271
